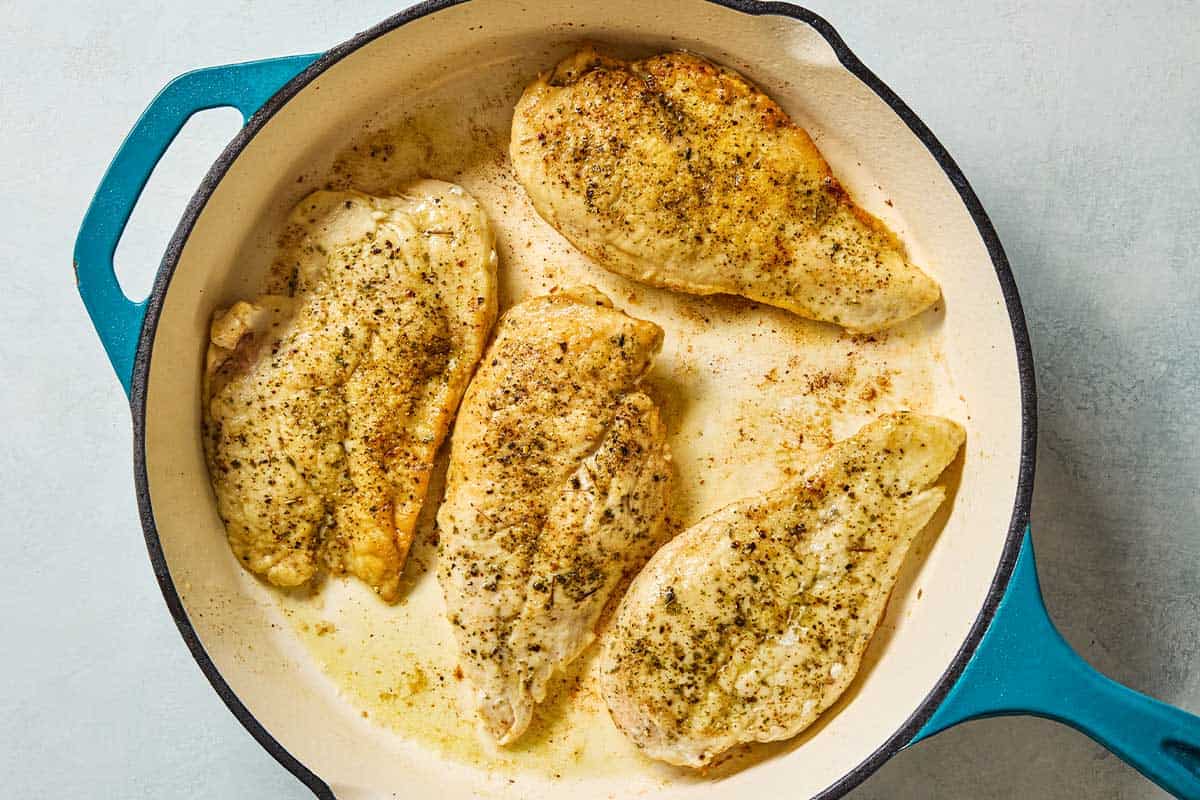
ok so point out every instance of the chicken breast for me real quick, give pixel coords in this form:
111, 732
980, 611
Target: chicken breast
745, 627
557, 488
676, 172
326, 403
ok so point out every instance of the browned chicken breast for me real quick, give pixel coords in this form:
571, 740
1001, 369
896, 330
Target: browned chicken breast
326, 404
677, 172
557, 488
748, 625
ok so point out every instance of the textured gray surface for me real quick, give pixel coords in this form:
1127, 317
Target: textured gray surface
1079, 126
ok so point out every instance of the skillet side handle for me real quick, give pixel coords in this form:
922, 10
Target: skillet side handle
117, 319
1024, 666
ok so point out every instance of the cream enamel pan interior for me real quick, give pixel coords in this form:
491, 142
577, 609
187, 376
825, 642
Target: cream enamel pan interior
351, 688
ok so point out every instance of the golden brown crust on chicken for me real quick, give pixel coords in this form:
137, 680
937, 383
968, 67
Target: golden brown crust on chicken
556, 490
324, 407
677, 172
749, 624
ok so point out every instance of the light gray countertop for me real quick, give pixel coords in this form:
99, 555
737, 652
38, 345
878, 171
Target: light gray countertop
1078, 124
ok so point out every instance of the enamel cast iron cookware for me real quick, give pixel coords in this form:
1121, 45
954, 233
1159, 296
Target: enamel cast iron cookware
979, 642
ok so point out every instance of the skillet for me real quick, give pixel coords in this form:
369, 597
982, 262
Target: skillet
966, 635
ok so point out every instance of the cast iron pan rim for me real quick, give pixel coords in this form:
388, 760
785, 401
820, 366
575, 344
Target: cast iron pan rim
1008, 287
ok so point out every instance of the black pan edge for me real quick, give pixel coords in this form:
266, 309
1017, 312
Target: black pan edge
1024, 489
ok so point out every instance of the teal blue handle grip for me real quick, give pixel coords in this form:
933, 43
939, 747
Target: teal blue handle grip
117, 319
1024, 666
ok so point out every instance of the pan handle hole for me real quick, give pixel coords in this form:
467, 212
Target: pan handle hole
166, 195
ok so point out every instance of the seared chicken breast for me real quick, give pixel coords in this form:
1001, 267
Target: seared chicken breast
325, 403
557, 488
677, 172
745, 627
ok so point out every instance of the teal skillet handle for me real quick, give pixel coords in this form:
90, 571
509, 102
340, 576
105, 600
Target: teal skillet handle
117, 319
1024, 666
